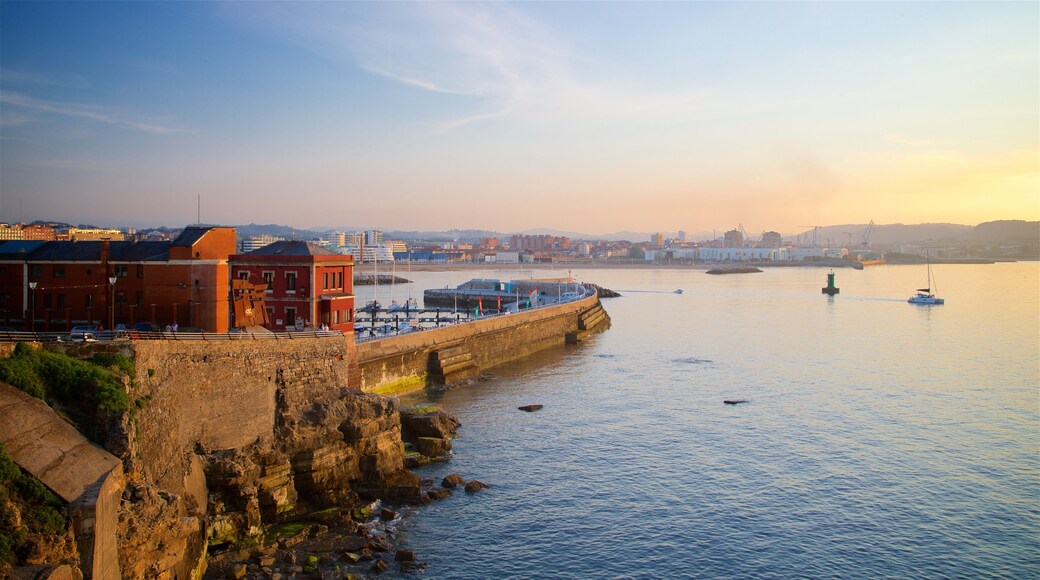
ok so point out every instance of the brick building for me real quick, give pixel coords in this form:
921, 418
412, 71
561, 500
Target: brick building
183, 280
307, 284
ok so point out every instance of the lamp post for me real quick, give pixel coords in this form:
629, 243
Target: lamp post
112, 303
32, 306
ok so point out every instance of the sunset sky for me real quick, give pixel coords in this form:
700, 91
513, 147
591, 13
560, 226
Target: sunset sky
591, 117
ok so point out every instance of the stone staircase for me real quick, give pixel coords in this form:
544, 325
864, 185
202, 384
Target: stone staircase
590, 321
452, 364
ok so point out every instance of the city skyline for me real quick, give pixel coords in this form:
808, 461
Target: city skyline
508, 117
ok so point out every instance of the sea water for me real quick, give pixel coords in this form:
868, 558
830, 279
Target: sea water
880, 439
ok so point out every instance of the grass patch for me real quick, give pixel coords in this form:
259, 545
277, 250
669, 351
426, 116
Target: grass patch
78, 388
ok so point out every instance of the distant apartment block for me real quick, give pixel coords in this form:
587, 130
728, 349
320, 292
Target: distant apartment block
539, 243
657, 240
256, 242
95, 234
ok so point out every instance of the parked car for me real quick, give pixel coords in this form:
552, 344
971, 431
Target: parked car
79, 333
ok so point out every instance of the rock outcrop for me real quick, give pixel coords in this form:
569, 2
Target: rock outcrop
234, 439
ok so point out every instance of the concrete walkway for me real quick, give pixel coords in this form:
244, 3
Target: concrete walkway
84, 475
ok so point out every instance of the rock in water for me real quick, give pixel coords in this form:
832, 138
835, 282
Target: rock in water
404, 555
453, 480
475, 486
530, 408
735, 401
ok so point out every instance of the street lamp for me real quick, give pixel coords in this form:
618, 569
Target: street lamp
32, 302
112, 303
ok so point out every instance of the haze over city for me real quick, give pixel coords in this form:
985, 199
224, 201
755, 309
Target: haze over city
597, 117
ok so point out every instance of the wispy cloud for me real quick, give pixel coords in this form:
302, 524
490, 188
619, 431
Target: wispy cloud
91, 112
508, 62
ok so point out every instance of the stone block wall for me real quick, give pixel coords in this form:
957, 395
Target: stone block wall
403, 360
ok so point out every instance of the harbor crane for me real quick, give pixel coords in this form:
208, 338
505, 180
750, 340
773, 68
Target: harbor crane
815, 230
865, 240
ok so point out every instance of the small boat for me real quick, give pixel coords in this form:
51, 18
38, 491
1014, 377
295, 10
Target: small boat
925, 295
678, 291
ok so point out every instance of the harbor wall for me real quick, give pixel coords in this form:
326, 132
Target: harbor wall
400, 364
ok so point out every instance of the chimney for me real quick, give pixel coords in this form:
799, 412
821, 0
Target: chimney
105, 248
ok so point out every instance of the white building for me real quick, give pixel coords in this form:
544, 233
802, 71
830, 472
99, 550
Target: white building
376, 253
256, 242
743, 254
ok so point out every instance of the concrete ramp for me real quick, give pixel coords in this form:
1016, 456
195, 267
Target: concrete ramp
87, 477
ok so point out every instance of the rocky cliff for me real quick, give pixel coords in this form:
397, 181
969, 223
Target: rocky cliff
238, 435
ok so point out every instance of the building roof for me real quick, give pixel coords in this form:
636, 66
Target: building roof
90, 251
18, 249
190, 235
292, 248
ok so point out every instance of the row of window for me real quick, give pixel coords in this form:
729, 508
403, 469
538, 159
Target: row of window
46, 300
330, 280
58, 271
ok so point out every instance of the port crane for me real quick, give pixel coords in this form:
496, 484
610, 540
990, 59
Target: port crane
865, 240
815, 230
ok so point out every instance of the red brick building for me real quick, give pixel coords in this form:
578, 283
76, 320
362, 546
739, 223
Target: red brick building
183, 280
307, 284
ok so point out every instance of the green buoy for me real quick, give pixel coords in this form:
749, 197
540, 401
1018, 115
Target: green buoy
830, 289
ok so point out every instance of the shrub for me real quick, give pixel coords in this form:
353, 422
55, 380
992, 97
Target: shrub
79, 387
40, 511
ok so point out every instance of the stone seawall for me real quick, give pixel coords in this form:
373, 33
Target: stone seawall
399, 364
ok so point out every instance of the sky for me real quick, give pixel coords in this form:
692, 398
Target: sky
580, 116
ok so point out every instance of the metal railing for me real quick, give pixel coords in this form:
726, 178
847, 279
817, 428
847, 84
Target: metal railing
130, 335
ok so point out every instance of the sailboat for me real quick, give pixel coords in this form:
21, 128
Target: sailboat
925, 295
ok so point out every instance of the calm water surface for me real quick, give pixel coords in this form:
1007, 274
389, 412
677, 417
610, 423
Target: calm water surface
881, 439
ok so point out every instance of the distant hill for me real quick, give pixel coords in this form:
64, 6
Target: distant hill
279, 231
1007, 230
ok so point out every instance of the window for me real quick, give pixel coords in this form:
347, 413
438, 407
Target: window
46, 300
243, 275
140, 270
335, 316
290, 316
122, 271
36, 271
59, 271
90, 300
325, 285
290, 281
140, 298
61, 302
269, 281
121, 297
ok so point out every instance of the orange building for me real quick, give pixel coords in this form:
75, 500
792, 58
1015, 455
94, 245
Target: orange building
52, 286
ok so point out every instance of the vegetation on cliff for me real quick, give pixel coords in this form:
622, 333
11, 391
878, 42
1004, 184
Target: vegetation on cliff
32, 518
80, 389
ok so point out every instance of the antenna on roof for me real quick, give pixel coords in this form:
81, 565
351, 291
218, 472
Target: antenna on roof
198, 215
